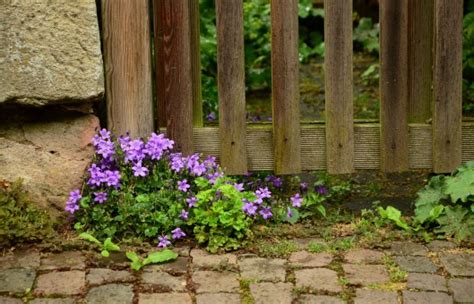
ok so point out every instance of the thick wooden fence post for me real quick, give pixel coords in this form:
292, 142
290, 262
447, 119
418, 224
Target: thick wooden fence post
173, 70
447, 110
231, 86
420, 60
338, 86
393, 85
127, 55
196, 62
285, 90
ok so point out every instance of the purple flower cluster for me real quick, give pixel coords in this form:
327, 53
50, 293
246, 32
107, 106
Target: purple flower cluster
72, 205
252, 207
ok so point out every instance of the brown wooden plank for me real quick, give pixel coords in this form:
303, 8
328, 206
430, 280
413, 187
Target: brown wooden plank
447, 109
285, 90
393, 85
420, 60
173, 70
231, 85
127, 55
196, 62
338, 86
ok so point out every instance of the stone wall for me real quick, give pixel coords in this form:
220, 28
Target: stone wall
51, 74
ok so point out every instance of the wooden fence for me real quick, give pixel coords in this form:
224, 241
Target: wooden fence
420, 87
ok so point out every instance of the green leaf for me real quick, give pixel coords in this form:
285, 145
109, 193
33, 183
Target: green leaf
160, 257
428, 199
105, 253
132, 256
295, 216
321, 210
457, 222
461, 186
89, 237
393, 215
110, 246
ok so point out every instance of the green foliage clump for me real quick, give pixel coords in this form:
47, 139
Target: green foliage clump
157, 257
20, 220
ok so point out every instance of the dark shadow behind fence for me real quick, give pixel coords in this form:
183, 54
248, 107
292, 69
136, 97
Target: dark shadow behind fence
420, 87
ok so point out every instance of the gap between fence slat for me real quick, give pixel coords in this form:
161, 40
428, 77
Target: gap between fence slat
285, 86
338, 86
447, 108
231, 86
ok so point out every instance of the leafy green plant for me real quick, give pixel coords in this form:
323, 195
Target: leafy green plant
157, 257
366, 36
20, 220
107, 246
393, 215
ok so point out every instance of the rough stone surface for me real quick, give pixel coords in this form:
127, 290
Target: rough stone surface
365, 274
214, 281
16, 280
265, 292
424, 281
364, 256
375, 297
177, 267
50, 52
463, 290
415, 264
164, 280
408, 248
25, 259
318, 279
50, 156
458, 264
61, 283
438, 245
202, 259
211, 298
110, 294
6, 300
263, 269
164, 298
312, 299
413, 297
303, 243
52, 301
97, 276
64, 260
306, 259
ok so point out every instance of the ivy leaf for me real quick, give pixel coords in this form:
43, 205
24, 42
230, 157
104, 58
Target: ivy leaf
456, 222
110, 246
461, 186
160, 257
89, 237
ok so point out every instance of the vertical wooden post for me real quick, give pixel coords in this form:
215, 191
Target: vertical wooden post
420, 60
231, 85
173, 72
447, 110
285, 90
393, 85
338, 86
196, 62
128, 67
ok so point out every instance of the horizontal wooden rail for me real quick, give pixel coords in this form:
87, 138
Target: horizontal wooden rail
313, 145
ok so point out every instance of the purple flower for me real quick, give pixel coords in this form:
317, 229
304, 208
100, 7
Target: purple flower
266, 212
96, 176
322, 190
112, 178
163, 241
303, 186
105, 148
184, 214
211, 116
277, 182
100, 197
134, 150
183, 185
263, 193
178, 233
139, 170
191, 201
72, 205
289, 214
156, 145
213, 177
104, 133
177, 163
239, 187
210, 162
75, 196
296, 200
198, 169
249, 208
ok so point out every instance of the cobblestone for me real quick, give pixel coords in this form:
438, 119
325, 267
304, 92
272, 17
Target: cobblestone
408, 248
110, 294
202, 259
318, 279
73, 260
215, 281
61, 283
415, 264
365, 274
463, 290
413, 297
16, 280
97, 276
458, 264
424, 281
163, 280
164, 298
313, 299
364, 256
211, 298
52, 301
263, 269
264, 293
364, 296
23, 259
306, 259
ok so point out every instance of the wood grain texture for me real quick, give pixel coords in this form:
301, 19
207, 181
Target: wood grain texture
231, 85
196, 62
338, 86
420, 60
127, 54
313, 146
173, 70
447, 109
285, 86
393, 85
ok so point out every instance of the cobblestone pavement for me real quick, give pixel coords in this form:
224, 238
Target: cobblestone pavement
436, 273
